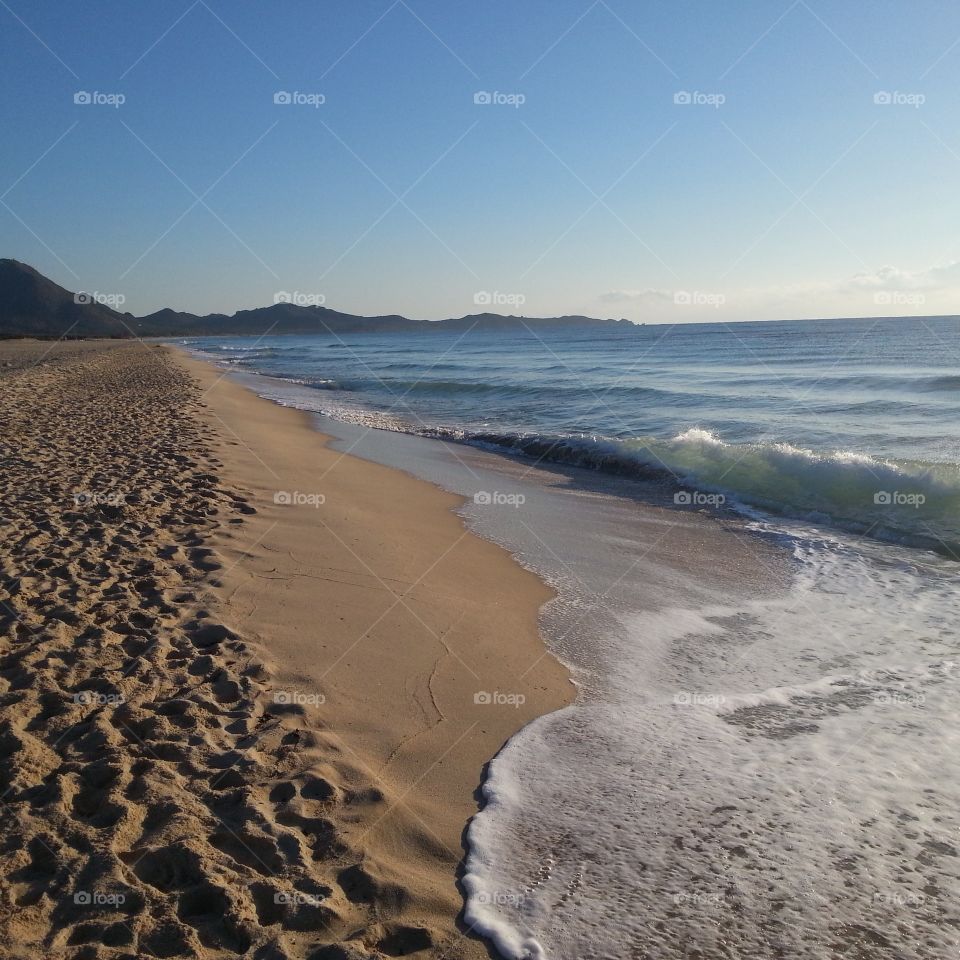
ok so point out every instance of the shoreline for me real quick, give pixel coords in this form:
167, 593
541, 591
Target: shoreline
257, 654
434, 625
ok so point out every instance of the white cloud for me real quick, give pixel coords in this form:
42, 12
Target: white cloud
888, 290
893, 278
650, 295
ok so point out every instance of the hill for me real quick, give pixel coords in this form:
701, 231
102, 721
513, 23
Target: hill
33, 306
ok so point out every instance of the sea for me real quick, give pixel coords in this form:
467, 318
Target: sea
753, 532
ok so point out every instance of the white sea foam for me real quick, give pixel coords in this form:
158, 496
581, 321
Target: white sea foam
778, 777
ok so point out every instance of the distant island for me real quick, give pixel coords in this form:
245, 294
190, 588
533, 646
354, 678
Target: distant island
31, 305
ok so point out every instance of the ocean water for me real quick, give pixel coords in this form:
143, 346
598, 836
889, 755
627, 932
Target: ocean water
752, 530
812, 419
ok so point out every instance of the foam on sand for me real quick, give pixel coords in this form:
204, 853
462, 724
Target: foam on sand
773, 776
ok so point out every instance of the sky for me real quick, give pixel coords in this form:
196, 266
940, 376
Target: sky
660, 161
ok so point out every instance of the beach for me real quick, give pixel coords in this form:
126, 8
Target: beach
249, 683
284, 620
752, 549
479, 482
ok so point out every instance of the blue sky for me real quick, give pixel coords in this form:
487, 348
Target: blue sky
812, 173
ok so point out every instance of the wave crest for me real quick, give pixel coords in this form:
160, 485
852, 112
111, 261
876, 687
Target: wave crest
914, 503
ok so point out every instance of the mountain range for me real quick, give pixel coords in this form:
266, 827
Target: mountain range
31, 305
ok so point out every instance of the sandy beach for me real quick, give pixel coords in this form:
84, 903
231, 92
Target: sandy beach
249, 684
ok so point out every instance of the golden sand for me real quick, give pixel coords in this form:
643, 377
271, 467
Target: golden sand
231, 724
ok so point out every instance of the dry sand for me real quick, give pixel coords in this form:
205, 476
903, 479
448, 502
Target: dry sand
229, 725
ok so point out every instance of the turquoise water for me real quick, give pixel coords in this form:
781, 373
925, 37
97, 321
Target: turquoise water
853, 423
